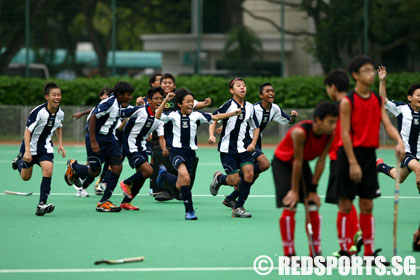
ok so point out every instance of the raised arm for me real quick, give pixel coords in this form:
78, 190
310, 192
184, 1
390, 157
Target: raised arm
159, 111
293, 116
382, 82
222, 116
203, 104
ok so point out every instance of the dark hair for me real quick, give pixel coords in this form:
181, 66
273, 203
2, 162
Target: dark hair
122, 87
413, 88
357, 62
105, 90
168, 76
151, 92
338, 78
233, 81
324, 109
153, 78
181, 93
264, 85
49, 86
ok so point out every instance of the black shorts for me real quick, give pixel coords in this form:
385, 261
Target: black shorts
369, 187
180, 155
332, 192
136, 159
282, 173
232, 163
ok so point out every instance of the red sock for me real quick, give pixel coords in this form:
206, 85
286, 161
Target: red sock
354, 221
367, 225
316, 231
344, 229
287, 230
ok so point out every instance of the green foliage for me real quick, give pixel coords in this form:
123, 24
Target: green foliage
292, 92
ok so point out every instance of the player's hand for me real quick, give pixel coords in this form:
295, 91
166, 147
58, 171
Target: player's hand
207, 101
250, 148
169, 96
62, 151
294, 114
165, 152
400, 151
95, 147
140, 101
355, 173
77, 115
212, 140
313, 196
149, 138
27, 157
291, 199
219, 129
382, 73
237, 112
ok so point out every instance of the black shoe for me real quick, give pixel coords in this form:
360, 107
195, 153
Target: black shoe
43, 208
163, 196
230, 203
375, 254
15, 161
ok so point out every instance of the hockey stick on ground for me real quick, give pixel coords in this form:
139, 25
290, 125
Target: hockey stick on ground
18, 193
307, 216
128, 260
396, 201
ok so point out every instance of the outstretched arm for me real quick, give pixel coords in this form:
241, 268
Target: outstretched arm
78, 115
203, 104
222, 116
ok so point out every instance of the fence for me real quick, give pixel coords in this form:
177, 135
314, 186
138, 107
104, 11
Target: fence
13, 121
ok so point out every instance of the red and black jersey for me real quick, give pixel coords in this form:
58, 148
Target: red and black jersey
314, 144
365, 120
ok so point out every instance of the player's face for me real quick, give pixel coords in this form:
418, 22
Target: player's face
330, 92
187, 105
268, 94
54, 97
328, 124
104, 96
156, 83
238, 89
125, 98
168, 85
415, 99
156, 101
366, 74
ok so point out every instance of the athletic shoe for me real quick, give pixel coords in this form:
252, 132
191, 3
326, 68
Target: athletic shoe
215, 185
230, 203
107, 206
128, 206
78, 191
84, 193
163, 196
378, 161
126, 190
190, 216
100, 189
240, 212
43, 208
358, 243
159, 178
15, 162
69, 176
339, 254
375, 254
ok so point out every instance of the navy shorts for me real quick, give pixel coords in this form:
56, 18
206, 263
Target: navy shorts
108, 145
136, 159
256, 153
233, 162
36, 159
179, 155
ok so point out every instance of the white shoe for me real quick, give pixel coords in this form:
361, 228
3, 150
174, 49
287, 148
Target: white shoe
78, 191
84, 193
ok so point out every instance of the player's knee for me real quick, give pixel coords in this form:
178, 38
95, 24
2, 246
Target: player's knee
249, 176
116, 169
264, 164
25, 177
366, 206
147, 171
345, 205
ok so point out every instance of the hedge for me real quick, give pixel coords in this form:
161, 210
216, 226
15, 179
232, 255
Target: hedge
292, 92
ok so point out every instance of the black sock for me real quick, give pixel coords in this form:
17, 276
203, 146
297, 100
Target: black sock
169, 178
244, 188
234, 195
88, 181
104, 170
187, 197
257, 169
110, 185
22, 164
45, 189
135, 189
384, 168
138, 176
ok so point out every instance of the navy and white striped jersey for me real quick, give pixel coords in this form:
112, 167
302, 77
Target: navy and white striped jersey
232, 139
184, 128
140, 125
408, 125
264, 117
42, 124
107, 113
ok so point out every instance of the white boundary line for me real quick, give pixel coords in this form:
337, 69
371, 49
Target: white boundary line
150, 269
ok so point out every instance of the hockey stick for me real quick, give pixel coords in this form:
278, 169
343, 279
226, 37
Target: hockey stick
128, 260
18, 193
396, 201
307, 215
